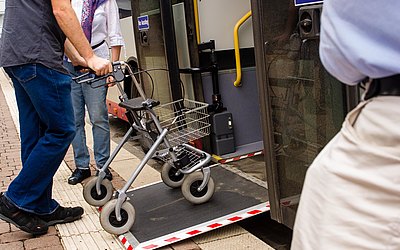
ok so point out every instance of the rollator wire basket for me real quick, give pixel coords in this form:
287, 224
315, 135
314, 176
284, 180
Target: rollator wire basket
186, 120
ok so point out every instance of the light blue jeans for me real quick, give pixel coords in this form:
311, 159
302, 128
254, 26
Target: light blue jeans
47, 129
94, 99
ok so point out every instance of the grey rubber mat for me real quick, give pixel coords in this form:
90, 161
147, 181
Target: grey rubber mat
162, 211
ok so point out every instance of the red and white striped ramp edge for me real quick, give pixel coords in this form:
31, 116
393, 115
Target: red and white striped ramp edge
223, 161
194, 230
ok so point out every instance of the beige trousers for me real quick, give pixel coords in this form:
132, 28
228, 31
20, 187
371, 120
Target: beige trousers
351, 194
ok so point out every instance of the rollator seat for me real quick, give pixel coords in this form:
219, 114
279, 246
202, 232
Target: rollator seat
138, 103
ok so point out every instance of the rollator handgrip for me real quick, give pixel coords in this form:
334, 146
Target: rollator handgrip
90, 78
150, 103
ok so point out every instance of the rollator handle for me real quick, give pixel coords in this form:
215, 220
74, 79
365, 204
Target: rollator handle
90, 78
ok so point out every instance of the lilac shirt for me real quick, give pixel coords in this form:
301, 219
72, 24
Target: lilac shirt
105, 26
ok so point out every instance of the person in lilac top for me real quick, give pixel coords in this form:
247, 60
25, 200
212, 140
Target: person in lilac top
100, 23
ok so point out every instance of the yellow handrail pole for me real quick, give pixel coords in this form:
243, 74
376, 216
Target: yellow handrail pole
238, 81
196, 20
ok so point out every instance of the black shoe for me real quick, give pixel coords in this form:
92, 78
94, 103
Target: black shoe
62, 215
25, 221
78, 176
108, 174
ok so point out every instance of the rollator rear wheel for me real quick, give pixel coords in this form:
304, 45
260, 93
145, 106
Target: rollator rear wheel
190, 186
108, 219
169, 177
145, 142
90, 193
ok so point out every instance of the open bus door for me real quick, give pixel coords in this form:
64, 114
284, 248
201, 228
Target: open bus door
302, 106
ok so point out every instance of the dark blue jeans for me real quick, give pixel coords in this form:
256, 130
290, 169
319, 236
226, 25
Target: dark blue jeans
47, 128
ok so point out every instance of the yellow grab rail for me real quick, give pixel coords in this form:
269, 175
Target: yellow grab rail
196, 20
238, 81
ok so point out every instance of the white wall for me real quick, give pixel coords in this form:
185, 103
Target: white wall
127, 32
2, 8
218, 19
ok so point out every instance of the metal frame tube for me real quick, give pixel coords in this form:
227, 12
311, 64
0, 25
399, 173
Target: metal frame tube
102, 174
143, 162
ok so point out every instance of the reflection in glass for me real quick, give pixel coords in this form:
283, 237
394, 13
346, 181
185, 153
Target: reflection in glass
307, 103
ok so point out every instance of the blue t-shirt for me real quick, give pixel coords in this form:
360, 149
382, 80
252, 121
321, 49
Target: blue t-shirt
31, 35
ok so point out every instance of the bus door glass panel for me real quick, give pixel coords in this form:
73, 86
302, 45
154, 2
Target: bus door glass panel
308, 105
151, 49
183, 49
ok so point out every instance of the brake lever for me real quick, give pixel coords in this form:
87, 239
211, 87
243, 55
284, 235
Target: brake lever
80, 68
118, 73
94, 79
83, 75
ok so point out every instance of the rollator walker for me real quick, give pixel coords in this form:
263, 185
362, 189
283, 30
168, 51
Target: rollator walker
173, 126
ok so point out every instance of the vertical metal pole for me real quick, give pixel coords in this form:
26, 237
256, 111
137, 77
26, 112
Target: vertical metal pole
171, 53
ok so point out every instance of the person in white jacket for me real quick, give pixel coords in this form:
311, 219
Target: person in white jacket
100, 23
351, 194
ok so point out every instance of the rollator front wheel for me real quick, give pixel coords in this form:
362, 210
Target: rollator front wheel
190, 188
169, 177
90, 193
108, 218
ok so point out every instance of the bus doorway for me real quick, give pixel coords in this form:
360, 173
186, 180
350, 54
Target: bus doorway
302, 106
168, 50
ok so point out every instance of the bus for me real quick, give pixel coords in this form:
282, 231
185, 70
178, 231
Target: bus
128, 54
